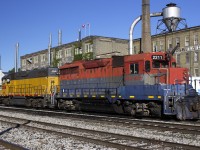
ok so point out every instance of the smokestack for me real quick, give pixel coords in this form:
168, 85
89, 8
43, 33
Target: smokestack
79, 35
146, 29
59, 37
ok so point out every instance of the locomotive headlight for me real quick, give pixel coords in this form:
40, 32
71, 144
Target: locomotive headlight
8, 80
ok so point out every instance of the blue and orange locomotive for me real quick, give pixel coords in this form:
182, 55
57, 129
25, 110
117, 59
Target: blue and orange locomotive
145, 84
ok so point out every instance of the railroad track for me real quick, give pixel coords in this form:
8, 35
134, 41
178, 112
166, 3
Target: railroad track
180, 127
107, 139
5, 145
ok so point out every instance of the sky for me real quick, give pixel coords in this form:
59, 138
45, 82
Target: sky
30, 22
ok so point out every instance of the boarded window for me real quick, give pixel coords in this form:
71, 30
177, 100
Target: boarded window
118, 61
72, 70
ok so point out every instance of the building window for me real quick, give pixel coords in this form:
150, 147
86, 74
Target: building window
155, 48
135, 50
187, 58
52, 56
169, 43
178, 40
178, 59
161, 46
196, 39
187, 41
196, 72
23, 62
59, 54
196, 56
43, 58
36, 59
68, 52
88, 48
59, 64
77, 51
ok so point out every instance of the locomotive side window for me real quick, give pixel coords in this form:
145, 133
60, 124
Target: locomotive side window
147, 66
134, 68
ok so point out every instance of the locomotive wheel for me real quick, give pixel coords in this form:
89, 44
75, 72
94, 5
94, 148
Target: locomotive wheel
6, 101
130, 110
156, 112
155, 109
28, 103
118, 108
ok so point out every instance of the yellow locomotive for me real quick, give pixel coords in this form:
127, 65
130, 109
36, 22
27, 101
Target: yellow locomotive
34, 88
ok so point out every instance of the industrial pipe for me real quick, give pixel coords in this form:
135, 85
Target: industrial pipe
133, 26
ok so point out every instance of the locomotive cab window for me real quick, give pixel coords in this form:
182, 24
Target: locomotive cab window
174, 64
134, 68
160, 64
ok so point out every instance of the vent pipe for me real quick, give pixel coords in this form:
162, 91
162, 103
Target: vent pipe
16, 57
79, 35
49, 50
157, 14
59, 37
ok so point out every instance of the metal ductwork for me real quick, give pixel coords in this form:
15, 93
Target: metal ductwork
171, 20
172, 16
157, 14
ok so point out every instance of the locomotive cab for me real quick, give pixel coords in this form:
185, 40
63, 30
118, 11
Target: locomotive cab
155, 78
164, 70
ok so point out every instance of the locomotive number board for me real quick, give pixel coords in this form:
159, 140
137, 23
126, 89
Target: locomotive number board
157, 57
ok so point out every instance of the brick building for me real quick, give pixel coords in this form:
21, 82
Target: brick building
188, 55
88, 48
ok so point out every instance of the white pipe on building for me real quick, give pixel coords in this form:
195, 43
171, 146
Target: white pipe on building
16, 57
133, 26
49, 50
59, 37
